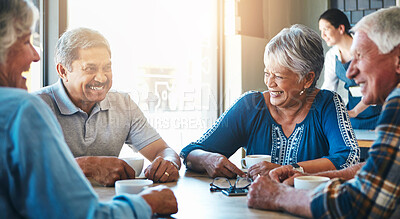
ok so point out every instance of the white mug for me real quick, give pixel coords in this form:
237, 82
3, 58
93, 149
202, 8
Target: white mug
250, 160
136, 163
131, 186
309, 182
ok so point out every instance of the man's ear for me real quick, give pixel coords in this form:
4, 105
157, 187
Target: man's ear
397, 59
309, 79
62, 71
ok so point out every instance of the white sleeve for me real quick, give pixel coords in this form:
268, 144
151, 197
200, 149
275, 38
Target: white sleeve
331, 81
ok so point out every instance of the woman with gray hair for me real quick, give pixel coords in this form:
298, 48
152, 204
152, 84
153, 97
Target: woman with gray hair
16, 51
297, 124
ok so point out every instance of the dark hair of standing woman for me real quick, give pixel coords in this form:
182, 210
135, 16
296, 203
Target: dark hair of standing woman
336, 17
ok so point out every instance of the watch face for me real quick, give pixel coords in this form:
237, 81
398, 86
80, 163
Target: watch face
295, 165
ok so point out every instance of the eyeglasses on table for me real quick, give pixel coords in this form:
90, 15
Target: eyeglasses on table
222, 183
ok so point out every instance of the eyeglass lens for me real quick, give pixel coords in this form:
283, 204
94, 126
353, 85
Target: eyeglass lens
243, 182
224, 183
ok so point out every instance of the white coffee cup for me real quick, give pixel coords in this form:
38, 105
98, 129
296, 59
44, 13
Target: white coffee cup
309, 182
131, 186
136, 163
250, 160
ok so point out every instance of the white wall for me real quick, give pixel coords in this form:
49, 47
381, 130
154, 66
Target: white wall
244, 64
253, 63
284, 13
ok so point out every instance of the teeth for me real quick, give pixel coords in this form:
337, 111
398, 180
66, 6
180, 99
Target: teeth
277, 92
96, 88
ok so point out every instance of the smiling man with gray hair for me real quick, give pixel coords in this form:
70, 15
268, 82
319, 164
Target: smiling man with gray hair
96, 122
372, 189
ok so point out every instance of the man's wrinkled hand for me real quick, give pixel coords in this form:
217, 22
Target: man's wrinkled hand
105, 170
161, 170
285, 174
161, 200
263, 194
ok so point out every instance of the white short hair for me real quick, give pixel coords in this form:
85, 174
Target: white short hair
382, 27
17, 18
69, 44
299, 49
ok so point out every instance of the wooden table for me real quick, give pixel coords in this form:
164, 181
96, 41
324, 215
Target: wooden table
365, 143
196, 201
365, 139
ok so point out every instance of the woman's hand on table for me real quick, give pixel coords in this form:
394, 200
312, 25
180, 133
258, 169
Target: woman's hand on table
285, 174
217, 165
261, 169
161, 200
162, 170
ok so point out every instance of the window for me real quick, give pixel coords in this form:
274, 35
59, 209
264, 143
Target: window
164, 53
34, 76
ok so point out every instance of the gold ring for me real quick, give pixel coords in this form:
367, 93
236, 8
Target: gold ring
166, 173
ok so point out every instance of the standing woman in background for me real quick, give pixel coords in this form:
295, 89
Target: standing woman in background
334, 27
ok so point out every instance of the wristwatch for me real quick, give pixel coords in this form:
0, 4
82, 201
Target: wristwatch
297, 167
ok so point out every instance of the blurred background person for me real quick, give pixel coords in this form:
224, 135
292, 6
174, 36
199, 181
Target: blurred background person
335, 30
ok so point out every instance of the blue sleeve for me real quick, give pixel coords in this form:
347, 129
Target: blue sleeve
228, 133
343, 146
45, 181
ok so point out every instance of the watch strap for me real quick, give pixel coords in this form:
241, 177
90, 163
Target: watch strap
297, 167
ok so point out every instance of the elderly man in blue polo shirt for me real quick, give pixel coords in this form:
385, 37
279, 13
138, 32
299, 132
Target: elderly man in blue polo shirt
372, 189
97, 122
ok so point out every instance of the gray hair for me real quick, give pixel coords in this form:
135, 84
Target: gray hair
382, 27
17, 18
72, 41
299, 49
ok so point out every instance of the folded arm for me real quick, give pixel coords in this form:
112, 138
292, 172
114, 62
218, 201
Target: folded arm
286, 174
359, 108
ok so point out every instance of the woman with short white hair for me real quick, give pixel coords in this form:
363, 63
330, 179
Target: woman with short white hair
294, 122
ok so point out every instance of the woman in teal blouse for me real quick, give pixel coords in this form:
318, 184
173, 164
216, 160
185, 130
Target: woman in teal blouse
294, 122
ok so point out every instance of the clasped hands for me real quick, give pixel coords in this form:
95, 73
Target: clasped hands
106, 170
